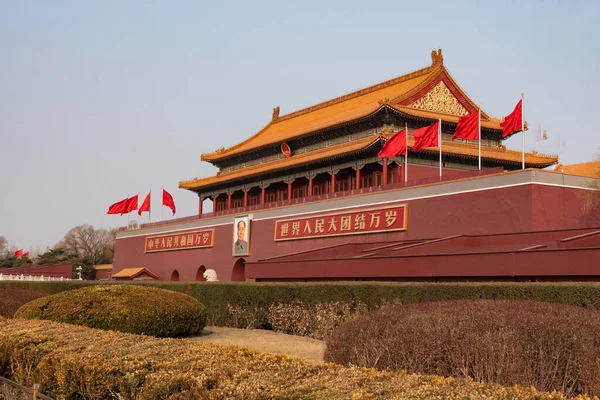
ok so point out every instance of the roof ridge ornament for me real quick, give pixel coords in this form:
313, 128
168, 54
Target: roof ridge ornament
385, 100
437, 58
275, 114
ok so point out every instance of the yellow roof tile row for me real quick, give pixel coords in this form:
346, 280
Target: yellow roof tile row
589, 169
354, 106
325, 153
329, 114
448, 147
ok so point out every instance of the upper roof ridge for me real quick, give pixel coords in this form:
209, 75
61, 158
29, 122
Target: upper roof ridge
360, 92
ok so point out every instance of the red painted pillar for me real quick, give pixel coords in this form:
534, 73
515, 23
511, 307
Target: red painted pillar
385, 172
289, 190
215, 203
400, 172
245, 198
357, 178
262, 195
333, 182
310, 185
200, 200
229, 201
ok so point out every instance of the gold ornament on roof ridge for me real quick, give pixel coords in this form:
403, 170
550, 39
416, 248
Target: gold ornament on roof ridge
440, 100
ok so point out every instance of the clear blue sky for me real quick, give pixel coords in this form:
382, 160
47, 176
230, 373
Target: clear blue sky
103, 99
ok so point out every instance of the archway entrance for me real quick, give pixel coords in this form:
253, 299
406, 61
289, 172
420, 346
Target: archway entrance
200, 273
239, 271
175, 276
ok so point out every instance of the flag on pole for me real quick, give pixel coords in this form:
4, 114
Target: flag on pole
118, 208
145, 205
468, 127
26, 254
395, 146
18, 253
514, 121
132, 205
167, 200
426, 137
406, 155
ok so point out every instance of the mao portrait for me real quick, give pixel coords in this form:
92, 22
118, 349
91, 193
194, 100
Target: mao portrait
241, 236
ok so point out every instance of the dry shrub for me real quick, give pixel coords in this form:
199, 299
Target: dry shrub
317, 321
549, 346
142, 310
12, 299
73, 362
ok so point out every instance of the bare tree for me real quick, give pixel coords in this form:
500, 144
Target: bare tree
3, 247
86, 244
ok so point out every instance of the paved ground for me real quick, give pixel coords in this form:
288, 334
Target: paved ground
266, 341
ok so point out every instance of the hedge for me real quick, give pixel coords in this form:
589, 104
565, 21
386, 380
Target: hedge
72, 362
549, 346
124, 308
256, 298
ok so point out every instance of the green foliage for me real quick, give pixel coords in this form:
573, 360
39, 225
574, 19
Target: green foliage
54, 257
12, 262
125, 308
72, 362
549, 346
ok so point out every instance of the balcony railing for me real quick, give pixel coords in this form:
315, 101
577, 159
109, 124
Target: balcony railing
328, 196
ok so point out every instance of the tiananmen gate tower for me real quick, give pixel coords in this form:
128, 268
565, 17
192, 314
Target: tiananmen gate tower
307, 198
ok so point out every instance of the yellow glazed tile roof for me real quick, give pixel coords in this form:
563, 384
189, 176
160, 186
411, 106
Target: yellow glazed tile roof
103, 267
356, 105
133, 272
589, 169
324, 153
343, 109
449, 147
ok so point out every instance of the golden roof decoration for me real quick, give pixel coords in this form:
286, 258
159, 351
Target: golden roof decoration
440, 100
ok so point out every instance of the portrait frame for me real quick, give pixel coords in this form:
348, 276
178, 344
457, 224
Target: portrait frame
244, 248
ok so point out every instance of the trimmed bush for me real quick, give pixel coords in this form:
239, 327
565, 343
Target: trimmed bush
549, 346
247, 305
71, 362
12, 299
125, 308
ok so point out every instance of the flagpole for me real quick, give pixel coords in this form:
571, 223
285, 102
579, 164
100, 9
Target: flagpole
406, 156
440, 139
127, 203
479, 127
161, 208
150, 206
523, 130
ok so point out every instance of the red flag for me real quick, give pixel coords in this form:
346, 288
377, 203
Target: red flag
131, 205
118, 208
145, 205
168, 201
468, 127
514, 121
25, 254
426, 136
18, 253
395, 146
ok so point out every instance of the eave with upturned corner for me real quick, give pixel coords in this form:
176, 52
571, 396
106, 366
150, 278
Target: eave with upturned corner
343, 135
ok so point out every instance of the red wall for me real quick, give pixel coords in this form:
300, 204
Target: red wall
505, 210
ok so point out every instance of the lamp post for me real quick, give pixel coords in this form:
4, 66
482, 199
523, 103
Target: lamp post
78, 269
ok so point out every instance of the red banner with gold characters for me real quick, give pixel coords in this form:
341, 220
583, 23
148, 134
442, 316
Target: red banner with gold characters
358, 222
180, 241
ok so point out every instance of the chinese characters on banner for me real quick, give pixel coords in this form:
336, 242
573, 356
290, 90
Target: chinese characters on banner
385, 219
180, 241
